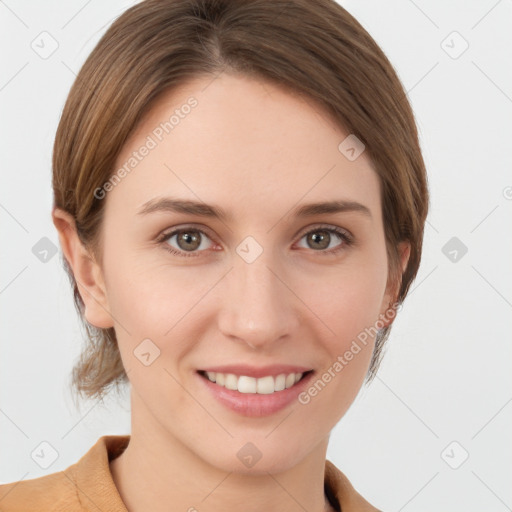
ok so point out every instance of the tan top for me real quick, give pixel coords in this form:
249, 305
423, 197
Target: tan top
87, 485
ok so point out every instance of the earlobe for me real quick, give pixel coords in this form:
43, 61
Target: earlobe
86, 271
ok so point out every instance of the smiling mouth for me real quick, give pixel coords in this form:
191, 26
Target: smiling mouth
251, 385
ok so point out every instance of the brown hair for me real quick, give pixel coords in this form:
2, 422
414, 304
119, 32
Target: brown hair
312, 47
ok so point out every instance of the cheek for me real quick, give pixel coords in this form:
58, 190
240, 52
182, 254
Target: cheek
346, 299
348, 306
151, 299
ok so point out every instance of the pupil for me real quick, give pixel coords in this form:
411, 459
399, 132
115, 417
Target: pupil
188, 238
320, 238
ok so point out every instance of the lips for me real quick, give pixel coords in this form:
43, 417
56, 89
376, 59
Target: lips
255, 404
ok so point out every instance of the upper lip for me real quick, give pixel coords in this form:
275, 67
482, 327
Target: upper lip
252, 371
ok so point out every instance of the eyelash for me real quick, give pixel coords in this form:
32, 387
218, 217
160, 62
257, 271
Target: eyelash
347, 240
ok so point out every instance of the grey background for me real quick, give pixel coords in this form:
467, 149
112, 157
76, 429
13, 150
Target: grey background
444, 390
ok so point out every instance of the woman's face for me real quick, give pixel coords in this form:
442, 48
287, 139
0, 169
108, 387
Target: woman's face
251, 287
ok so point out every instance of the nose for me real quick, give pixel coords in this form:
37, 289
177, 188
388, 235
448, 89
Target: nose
258, 307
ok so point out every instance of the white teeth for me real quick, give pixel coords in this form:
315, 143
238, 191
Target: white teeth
262, 386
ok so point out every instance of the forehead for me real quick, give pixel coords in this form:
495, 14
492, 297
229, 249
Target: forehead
248, 145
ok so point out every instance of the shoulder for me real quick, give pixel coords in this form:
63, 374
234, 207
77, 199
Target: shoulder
339, 489
54, 492
85, 485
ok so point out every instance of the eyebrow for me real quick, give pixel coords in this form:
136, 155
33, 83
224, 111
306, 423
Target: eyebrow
168, 204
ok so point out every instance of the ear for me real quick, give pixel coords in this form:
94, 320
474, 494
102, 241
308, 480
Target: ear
86, 271
387, 315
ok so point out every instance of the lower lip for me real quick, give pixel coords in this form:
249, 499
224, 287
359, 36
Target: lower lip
255, 404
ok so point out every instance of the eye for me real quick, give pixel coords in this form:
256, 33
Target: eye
320, 238
190, 241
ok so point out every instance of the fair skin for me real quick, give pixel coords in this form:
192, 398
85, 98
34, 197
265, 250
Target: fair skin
258, 152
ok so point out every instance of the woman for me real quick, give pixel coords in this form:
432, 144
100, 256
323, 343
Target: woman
240, 199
